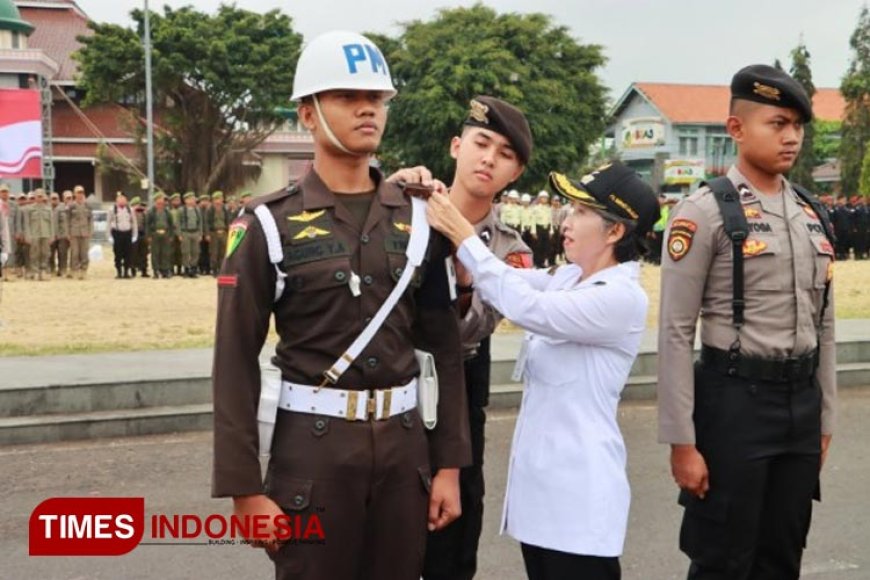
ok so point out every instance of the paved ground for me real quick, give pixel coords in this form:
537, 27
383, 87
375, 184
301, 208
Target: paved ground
172, 473
26, 371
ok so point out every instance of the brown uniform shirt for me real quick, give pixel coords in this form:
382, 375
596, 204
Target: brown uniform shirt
787, 262
318, 317
506, 243
81, 220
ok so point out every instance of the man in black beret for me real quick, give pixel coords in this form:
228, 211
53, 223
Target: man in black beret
491, 152
749, 426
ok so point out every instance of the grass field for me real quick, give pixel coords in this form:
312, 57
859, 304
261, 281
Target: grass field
104, 314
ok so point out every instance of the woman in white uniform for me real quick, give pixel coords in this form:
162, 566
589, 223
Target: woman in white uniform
567, 496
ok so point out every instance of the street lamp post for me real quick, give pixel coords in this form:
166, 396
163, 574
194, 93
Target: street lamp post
149, 107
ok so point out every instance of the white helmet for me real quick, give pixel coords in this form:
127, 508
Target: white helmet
526, 198
341, 60
543, 194
513, 194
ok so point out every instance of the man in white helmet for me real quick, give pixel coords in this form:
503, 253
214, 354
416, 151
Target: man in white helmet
511, 214
363, 485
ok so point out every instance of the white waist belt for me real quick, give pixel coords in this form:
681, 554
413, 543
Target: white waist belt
377, 404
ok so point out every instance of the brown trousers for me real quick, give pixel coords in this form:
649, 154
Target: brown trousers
59, 256
368, 485
79, 246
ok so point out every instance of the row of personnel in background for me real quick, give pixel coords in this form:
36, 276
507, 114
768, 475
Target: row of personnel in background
45, 235
185, 239
851, 220
539, 223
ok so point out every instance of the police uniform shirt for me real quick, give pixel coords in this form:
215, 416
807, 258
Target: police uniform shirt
319, 315
506, 244
787, 262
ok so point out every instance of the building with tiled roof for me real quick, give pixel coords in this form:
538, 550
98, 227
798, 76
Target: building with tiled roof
674, 134
79, 135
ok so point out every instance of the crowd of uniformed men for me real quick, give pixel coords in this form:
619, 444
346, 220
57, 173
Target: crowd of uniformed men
538, 222
49, 235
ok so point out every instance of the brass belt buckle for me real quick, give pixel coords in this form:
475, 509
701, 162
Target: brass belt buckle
371, 406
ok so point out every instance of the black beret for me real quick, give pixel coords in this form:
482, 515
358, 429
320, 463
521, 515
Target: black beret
615, 189
770, 86
505, 119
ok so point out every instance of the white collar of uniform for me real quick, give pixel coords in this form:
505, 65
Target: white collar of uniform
630, 270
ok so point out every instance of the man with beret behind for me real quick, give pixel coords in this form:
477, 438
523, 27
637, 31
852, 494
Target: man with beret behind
750, 426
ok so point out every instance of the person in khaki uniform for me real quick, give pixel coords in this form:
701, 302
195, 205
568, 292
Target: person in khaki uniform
40, 231
750, 426
367, 478
217, 221
160, 230
233, 205
189, 230
62, 239
492, 152
139, 252
5, 240
81, 228
175, 212
22, 245
204, 261
509, 213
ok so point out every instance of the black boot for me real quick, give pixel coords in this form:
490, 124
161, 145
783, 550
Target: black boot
193, 273
145, 273
117, 273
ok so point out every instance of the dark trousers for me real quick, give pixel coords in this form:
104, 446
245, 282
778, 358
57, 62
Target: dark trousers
761, 441
122, 246
451, 554
542, 250
545, 564
368, 485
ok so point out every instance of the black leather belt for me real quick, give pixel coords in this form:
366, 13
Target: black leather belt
773, 370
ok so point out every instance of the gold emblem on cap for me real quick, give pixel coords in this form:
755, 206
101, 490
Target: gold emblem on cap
766, 91
625, 207
564, 185
478, 112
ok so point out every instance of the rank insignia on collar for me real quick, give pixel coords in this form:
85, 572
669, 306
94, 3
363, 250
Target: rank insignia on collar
311, 232
752, 248
404, 228
306, 216
486, 235
746, 195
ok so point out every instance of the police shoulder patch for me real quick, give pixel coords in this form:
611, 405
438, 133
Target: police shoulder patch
237, 232
518, 260
680, 238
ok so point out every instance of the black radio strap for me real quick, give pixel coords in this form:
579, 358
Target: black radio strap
737, 230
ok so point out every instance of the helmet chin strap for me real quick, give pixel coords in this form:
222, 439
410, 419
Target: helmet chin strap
327, 129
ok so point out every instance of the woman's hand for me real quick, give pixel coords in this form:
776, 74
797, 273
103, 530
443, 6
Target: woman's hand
444, 217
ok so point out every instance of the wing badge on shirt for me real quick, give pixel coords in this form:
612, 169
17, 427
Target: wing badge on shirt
402, 227
311, 232
306, 216
752, 248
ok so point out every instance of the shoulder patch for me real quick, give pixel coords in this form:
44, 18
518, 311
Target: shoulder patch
237, 232
680, 238
518, 260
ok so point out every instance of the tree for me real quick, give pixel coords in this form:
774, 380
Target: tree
864, 183
218, 83
440, 65
802, 172
826, 141
856, 91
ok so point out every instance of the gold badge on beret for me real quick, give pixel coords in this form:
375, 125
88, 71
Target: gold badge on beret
479, 111
765, 91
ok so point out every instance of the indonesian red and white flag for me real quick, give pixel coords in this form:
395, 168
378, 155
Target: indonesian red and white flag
20, 133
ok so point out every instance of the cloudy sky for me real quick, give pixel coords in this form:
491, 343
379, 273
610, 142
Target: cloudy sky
686, 41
